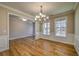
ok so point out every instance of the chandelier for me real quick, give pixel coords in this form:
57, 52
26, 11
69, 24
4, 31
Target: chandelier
41, 17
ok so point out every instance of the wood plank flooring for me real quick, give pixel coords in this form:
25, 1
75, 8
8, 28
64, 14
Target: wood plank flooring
41, 47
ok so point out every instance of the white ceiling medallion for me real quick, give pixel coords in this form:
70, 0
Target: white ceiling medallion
41, 17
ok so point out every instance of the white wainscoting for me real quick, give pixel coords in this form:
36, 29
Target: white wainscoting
68, 40
76, 44
17, 37
4, 42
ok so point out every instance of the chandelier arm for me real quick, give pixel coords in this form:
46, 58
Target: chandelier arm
41, 17
41, 9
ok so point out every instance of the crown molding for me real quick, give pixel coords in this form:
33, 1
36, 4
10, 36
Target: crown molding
15, 10
75, 5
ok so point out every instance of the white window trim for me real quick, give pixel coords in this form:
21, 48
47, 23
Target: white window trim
49, 29
57, 19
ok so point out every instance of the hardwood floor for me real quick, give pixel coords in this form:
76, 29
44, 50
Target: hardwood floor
41, 47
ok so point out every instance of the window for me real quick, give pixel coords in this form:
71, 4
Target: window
60, 26
46, 28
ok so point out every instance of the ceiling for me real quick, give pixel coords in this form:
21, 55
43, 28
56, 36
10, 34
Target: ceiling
49, 8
